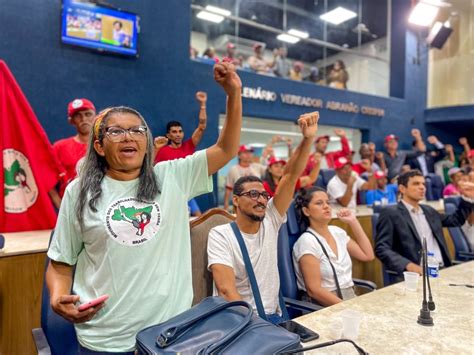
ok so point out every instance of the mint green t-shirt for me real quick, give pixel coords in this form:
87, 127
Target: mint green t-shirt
139, 253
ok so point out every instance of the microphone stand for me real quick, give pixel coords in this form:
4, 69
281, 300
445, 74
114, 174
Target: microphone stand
424, 318
431, 304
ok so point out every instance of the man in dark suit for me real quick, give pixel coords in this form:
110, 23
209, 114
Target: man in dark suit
401, 227
425, 161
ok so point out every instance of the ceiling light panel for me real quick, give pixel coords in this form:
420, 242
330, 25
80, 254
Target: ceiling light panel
338, 15
284, 37
209, 16
298, 33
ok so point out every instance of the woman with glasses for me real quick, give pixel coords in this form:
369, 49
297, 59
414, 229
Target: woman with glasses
322, 254
123, 225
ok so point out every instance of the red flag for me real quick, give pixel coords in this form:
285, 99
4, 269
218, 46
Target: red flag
27, 160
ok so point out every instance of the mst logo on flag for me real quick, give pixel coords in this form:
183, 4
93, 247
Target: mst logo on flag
29, 168
20, 190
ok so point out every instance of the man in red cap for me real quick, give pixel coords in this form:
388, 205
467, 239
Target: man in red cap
257, 62
342, 188
384, 194
327, 160
245, 167
81, 114
231, 54
395, 159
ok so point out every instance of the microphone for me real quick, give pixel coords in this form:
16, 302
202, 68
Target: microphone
425, 317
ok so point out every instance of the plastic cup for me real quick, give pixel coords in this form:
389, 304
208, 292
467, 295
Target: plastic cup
335, 329
350, 323
411, 280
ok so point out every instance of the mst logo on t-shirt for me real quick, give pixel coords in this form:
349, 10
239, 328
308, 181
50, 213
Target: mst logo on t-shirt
133, 222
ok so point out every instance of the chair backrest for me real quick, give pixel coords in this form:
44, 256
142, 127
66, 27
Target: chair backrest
59, 332
287, 237
200, 227
327, 175
320, 182
455, 200
457, 234
435, 187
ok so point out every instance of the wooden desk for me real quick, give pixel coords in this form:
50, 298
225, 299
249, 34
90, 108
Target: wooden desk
389, 323
21, 279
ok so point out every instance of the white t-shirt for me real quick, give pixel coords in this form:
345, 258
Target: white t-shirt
307, 244
237, 171
137, 252
223, 248
336, 189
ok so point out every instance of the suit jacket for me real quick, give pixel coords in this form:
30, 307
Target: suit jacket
431, 158
397, 242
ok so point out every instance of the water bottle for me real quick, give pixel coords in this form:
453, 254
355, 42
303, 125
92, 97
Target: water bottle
433, 265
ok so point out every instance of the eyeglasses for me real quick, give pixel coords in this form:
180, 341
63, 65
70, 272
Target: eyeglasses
254, 194
117, 134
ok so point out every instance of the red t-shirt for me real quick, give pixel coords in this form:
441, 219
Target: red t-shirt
170, 153
68, 152
267, 188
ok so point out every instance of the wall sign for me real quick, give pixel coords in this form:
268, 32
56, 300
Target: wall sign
297, 100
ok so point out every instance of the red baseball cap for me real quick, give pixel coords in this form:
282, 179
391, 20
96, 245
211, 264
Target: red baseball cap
230, 45
379, 174
322, 137
341, 162
77, 105
274, 160
390, 137
245, 148
471, 153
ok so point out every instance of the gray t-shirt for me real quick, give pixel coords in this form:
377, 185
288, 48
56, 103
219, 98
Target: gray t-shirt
223, 248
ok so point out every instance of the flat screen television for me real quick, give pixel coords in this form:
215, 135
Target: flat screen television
96, 26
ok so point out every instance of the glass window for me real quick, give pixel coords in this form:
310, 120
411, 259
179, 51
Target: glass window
342, 52
451, 68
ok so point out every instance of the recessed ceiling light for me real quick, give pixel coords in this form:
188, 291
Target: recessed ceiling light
298, 33
218, 10
338, 15
423, 14
285, 37
209, 16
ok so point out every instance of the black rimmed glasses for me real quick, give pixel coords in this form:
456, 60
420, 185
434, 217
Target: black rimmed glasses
254, 194
117, 134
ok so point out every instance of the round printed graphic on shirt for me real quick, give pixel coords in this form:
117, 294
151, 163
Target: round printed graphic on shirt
132, 222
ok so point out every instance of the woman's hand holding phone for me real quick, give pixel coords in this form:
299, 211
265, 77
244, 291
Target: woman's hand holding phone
65, 306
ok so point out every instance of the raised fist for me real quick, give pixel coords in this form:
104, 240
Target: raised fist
339, 132
463, 140
308, 123
372, 147
226, 76
317, 158
449, 148
160, 142
345, 215
415, 132
201, 96
365, 164
379, 155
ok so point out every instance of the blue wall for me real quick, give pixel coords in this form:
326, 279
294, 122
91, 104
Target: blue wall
161, 83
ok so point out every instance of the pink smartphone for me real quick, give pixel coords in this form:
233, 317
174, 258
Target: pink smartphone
93, 303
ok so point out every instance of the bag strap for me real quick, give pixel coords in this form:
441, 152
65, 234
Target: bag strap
253, 279
338, 288
169, 335
250, 273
